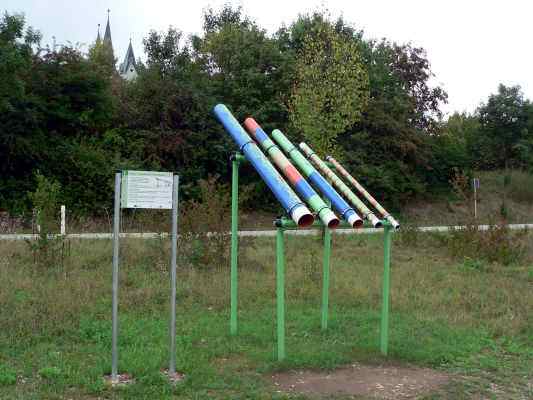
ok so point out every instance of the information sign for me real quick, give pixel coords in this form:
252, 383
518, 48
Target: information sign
146, 189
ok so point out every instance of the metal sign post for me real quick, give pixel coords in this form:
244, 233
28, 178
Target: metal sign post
116, 233
475, 183
172, 362
151, 190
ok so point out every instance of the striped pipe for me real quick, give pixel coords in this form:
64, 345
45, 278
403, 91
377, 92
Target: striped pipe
366, 195
283, 192
306, 192
338, 203
340, 186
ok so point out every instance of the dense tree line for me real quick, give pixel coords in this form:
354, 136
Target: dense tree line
68, 116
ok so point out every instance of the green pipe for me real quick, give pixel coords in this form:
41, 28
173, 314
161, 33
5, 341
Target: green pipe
280, 293
234, 241
325, 277
384, 331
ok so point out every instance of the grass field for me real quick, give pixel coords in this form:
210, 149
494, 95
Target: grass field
451, 311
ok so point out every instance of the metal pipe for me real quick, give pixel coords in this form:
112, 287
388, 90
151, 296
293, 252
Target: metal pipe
301, 186
384, 330
116, 235
362, 190
173, 256
339, 204
340, 186
280, 293
234, 281
325, 277
283, 192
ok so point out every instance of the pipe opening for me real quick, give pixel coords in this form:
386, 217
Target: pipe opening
334, 223
358, 224
378, 224
305, 220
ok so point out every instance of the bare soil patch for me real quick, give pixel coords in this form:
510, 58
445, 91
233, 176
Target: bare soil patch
382, 382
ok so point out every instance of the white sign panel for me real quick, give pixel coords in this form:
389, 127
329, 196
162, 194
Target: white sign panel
146, 189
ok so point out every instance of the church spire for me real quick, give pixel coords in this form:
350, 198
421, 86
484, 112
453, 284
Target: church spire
107, 35
128, 69
98, 37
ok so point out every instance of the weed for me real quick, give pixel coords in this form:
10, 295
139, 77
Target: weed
473, 264
8, 376
50, 373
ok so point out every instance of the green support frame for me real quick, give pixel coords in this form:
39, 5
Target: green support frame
283, 224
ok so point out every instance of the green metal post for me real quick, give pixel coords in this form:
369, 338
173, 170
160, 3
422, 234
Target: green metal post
234, 243
280, 292
325, 277
384, 332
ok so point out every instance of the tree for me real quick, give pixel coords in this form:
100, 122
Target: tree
51, 102
504, 124
102, 57
15, 59
331, 88
390, 148
246, 68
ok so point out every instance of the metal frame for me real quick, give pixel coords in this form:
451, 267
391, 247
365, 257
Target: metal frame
116, 262
283, 224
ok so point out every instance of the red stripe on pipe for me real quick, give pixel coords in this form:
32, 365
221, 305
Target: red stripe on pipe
293, 174
250, 125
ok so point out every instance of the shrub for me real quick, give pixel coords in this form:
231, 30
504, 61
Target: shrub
497, 244
204, 226
46, 250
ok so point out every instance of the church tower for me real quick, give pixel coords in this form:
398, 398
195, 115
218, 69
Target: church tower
107, 34
128, 69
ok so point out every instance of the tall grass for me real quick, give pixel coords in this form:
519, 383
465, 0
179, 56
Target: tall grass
56, 322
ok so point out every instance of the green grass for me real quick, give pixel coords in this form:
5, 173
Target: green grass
447, 313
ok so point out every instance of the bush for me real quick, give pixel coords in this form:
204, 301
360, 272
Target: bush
497, 244
47, 251
204, 226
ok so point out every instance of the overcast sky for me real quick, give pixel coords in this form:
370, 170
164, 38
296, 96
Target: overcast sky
472, 44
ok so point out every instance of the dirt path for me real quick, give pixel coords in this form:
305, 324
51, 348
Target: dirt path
382, 382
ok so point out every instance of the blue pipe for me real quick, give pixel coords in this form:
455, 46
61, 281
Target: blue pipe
284, 194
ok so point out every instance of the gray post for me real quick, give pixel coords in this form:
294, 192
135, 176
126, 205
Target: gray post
172, 364
116, 233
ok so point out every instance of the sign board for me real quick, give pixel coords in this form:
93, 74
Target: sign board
146, 189
475, 182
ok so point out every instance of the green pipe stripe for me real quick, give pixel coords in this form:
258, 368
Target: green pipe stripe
316, 203
300, 161
337, 182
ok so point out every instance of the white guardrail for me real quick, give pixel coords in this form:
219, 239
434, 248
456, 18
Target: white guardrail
254, 233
